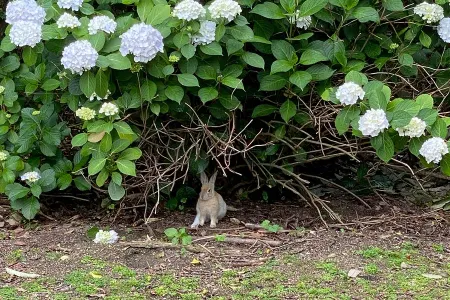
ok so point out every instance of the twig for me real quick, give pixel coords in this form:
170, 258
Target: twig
152, 244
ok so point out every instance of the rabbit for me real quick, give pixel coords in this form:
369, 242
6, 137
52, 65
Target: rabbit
210, 204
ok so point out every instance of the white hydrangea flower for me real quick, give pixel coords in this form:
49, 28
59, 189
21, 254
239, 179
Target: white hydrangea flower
227, 9
300, 22
443, 29
24, 10
85, 113
206, 33
189, 10
429, 12
70, 4
68, 21
109, 109
143, 41
349, 93
79, 56
106, 237
433, 149
415, 128
101, 23
3, 155
373, 122
25, 33
30, 177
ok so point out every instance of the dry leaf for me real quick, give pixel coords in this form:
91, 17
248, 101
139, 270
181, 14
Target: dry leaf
353, 273
96, 137
95, 274
21, 274
432, 276
195, 261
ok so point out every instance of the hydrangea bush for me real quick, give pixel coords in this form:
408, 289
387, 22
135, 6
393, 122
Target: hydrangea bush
90, 72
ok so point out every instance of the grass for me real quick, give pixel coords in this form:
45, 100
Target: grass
289, 276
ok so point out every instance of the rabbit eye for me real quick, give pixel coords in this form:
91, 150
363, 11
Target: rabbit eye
209, 191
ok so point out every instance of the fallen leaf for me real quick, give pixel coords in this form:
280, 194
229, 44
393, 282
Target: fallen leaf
95, 274
20, 243
195, 261
432, 276
96, 137
331, 255
353, 273
21, 274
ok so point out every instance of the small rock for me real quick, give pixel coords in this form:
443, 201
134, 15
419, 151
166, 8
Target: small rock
331, 255
404, 265
64, 257
353, 273
12, 223
2, 224
432, 276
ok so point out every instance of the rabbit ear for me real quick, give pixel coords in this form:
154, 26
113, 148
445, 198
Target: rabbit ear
212, 180
203, 178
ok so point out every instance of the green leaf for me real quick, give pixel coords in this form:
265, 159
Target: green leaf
272, 83
97, 40
300, 79
263, 110
47, 178
106, 142
374, 93
345, 117
158, 14
115, 191
415, 144
174, 93
283, 50
233, 82
123, 128
310, 57
155, 108
120, 145
9, 64
29, 56
425, 101
50, 85
127, 167
16, 191
406, 59
64, 181
171, 232
96, 165
233, 46
393, 5
288, 5
188, 80
144, 7
253, 60
425, 39
400, 119
366, 14
148, 90
268, 10
79, 140
81, 183
101, 84
445, 165
280, 66
356, 77
87, 83
181, 39
287, 110
206, 73
131, 154
320, 72
207, 94
428, 115
439, 129
383, 145
36, 190
118, 62
29, 207
116, 177
188, 51
310, 7
213, 48
220, 31
241, 33
339, 52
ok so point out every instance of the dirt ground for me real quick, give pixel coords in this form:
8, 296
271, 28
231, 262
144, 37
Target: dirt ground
378, 253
